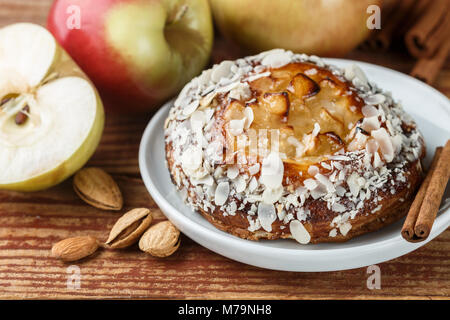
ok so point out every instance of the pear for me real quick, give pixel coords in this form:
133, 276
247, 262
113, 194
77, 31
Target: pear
51, 116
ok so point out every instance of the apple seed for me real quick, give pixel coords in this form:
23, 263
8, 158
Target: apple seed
22, 117
4, 101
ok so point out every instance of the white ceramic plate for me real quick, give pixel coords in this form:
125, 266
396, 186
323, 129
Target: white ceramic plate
426, 105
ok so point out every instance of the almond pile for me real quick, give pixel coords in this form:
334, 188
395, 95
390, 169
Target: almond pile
76, 248
129, 228
161, 240
98, 188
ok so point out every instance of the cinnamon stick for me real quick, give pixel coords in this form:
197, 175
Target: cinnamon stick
419, 7
427, 69
386, 13
410, 222
382, 39
433, 196
430, 31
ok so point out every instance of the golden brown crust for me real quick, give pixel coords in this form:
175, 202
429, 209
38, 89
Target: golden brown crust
376, 222
393, 207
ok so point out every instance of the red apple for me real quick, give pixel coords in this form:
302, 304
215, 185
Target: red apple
138, 53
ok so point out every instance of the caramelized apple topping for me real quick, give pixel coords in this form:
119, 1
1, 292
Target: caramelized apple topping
303, 86
277, 103
295, 104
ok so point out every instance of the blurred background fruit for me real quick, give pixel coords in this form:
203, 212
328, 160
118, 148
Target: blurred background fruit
139, 53
320, 27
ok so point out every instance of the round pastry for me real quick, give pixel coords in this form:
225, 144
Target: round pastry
282, 145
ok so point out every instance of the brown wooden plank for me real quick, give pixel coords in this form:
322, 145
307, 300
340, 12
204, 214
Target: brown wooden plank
31, 223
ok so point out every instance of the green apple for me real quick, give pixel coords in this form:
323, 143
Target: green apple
321, 27
51, 117
138, 53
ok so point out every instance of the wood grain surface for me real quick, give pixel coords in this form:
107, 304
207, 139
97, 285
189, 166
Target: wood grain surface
31, 223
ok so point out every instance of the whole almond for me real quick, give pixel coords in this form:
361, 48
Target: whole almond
160, 240
98, 188
73, 249
129, 228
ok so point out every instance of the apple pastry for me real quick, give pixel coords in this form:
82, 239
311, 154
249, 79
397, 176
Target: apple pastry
282, 145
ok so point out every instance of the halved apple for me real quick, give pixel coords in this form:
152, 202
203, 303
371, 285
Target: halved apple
51, 116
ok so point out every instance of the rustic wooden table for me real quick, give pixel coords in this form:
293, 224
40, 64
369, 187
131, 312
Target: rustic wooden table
31, 223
